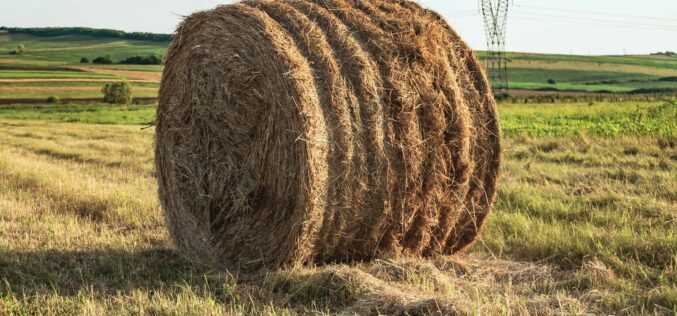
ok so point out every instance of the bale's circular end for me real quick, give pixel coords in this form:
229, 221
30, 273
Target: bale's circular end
324, 130
235, 140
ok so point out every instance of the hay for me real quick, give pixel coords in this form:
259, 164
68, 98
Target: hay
330, 130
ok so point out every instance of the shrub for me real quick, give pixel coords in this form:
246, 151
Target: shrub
53, 99
117, 92
103, 60
552, 81
670, 79
502, 97
84, 60
19, 50
151, 59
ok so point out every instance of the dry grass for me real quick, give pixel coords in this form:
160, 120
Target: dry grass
142, 76
580, 227
591, 66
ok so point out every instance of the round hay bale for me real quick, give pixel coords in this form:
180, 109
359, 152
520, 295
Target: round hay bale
291, 132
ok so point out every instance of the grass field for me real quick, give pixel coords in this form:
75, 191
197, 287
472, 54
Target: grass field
52, 62
54, 75
72, 92
590, 73
585, 80
584, 223
85, 113
70, 48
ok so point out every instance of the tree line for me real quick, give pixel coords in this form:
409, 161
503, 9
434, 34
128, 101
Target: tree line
59, 31
151, 59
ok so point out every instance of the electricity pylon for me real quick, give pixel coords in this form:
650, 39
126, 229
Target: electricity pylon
495, 13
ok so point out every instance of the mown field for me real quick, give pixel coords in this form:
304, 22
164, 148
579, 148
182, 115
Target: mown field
585, 222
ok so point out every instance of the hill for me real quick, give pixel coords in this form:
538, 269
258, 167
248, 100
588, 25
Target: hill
54, 54
70, 48
591, 73
104, 33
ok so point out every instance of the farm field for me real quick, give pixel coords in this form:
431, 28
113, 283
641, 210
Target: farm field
527, 71
56, 59
584, 223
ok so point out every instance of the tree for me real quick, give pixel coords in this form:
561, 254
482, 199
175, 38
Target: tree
552, 81
53, 99
151, 59
117, 92
19, 50
84, 60
103, 60
59, 31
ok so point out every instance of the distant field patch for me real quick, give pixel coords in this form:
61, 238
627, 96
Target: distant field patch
132, 74
54, 75
36, 67
583, 80
64, 83
70, 48
68, 92
99, 113
590, 66
646, 61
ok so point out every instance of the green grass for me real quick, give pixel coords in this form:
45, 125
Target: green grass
646, 61
573, 76
526, 71
54, 75
609, 202
583, 80
603, 119
70, 48
584, 223
533, 120
588, 73
72, 94
39, 67
90, 113
157, 68
52, 84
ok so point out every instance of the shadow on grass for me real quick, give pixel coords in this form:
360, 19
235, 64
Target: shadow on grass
103, 272
36, 275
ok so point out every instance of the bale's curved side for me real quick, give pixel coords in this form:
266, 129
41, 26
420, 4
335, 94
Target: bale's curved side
487, 149
323, 130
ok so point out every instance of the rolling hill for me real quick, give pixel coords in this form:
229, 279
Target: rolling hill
51, 59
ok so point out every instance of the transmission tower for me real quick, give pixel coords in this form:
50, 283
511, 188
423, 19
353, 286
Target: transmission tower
495, 13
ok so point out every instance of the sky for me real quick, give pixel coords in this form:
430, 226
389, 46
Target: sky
583, 27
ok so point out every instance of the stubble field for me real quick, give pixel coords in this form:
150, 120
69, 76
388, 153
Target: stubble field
585, 222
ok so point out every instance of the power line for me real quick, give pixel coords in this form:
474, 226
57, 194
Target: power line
600, 20
595, 24
598, 13
619, 24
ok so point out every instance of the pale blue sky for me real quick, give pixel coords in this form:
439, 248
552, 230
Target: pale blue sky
551, 26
